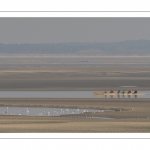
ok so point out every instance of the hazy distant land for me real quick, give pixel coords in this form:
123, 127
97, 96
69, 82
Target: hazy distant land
132, 47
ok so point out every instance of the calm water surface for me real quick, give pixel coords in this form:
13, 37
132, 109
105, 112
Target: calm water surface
66, 94
42, 111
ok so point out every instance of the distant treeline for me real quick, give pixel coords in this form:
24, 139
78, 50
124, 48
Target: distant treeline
137, 47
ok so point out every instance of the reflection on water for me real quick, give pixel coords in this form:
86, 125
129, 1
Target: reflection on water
122, 96
41, 111
66, 94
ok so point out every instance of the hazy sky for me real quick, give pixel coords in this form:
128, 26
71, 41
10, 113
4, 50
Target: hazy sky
54, 30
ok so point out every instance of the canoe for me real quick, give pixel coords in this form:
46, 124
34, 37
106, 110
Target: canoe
103, 93
115, 93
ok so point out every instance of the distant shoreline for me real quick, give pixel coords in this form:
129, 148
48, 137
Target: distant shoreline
61, 55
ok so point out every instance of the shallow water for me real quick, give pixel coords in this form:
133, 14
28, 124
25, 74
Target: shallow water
66, 94
100, 117
42, 111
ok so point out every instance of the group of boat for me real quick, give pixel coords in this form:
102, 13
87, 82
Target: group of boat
116, 93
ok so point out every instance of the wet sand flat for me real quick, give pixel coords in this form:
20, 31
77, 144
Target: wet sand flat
74, 73
71, 125
129, 116
72, 81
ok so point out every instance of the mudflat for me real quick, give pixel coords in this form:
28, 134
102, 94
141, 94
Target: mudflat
73, 78
128, 116
77, 73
